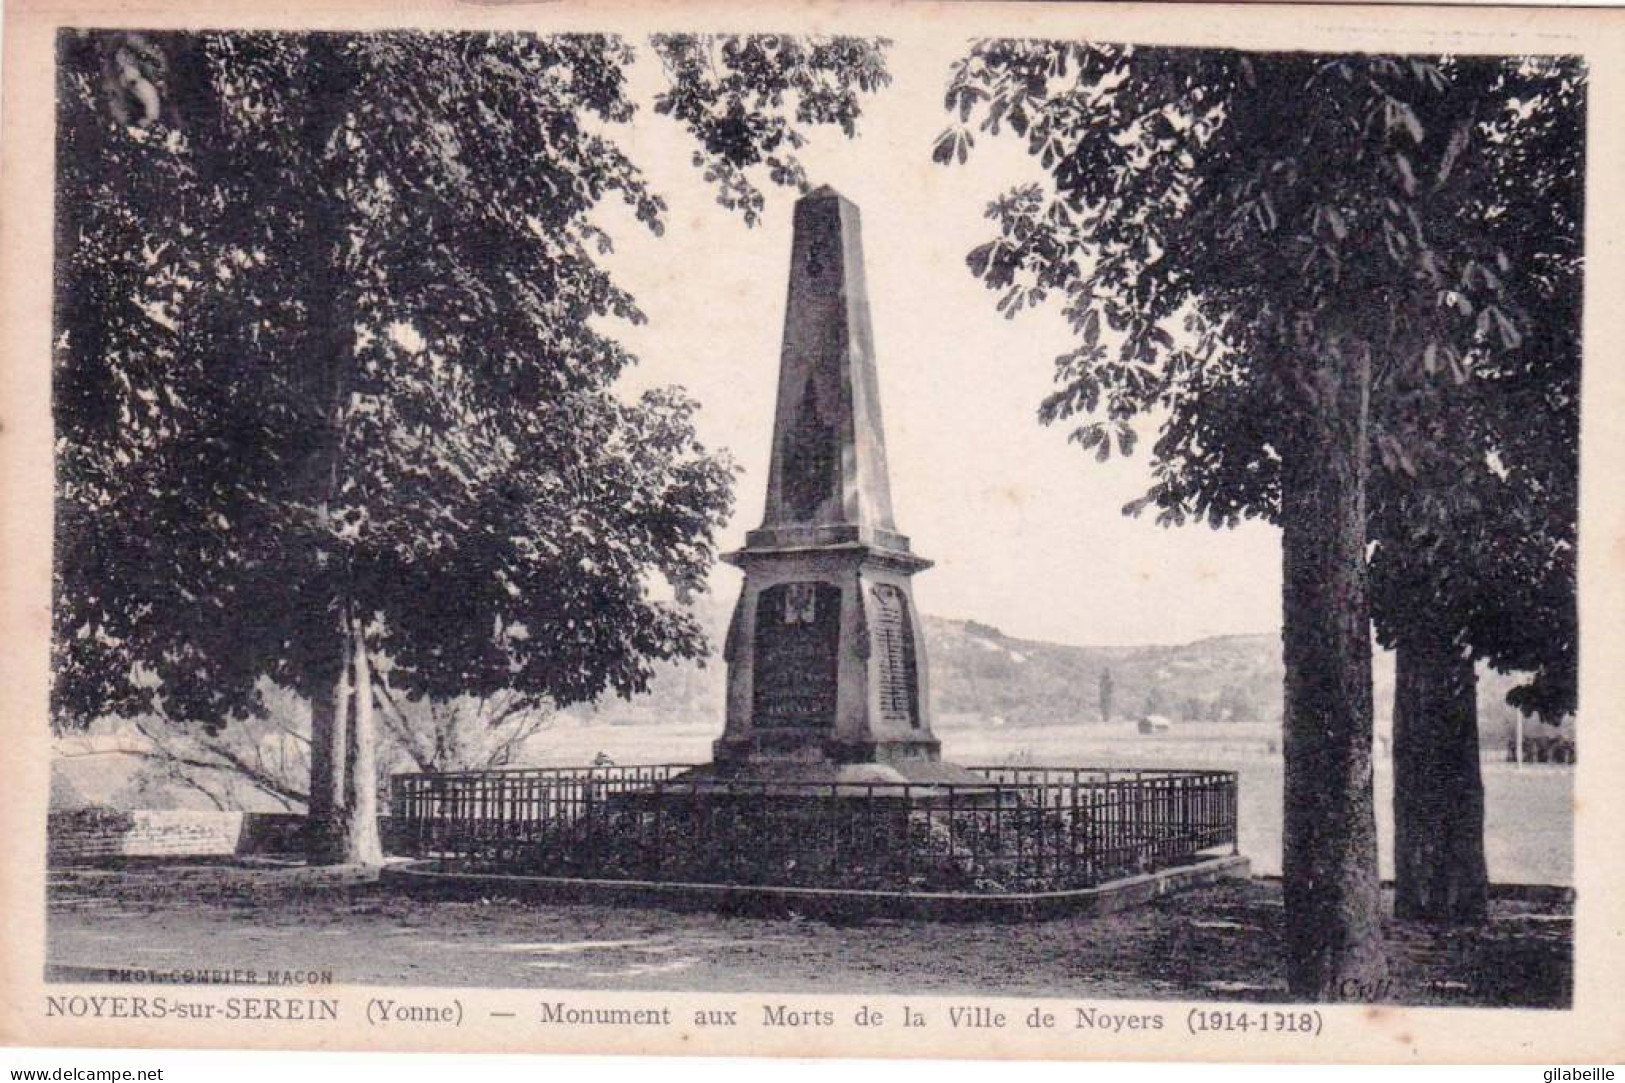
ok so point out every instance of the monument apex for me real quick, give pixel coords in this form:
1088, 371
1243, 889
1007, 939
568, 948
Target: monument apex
827, 481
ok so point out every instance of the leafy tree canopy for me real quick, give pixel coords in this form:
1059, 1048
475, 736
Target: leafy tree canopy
331, 347
1212, 219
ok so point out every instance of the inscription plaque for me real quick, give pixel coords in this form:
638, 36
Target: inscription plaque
894, 644
798, 634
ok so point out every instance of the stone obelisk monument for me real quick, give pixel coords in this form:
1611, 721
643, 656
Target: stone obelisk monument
827, 677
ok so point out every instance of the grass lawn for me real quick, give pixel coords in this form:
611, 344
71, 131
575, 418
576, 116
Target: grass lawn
1219, 942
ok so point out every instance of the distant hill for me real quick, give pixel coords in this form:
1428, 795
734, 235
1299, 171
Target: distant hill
977, 671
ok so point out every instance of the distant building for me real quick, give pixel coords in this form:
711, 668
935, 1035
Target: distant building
1155, 723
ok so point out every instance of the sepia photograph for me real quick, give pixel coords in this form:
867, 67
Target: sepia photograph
849, 532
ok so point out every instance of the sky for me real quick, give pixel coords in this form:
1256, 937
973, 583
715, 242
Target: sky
1025, 528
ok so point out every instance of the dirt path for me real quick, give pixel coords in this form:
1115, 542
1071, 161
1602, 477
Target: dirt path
1221, 942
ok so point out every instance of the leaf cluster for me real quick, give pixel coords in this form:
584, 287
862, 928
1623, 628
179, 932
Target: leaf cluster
748, 100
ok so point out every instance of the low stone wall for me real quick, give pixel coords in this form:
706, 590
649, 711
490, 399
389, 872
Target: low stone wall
98, 834
429, 878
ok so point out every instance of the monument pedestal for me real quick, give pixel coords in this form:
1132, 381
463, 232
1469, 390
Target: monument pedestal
826, 673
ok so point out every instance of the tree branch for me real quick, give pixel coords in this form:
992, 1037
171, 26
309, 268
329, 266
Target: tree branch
230, 761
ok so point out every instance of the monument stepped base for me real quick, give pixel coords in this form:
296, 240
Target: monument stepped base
902, 773
897, 763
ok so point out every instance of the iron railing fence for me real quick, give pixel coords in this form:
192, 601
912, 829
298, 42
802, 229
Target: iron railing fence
1023, 829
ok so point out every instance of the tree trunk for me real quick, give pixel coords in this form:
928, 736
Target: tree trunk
361, 842
335, 730
1329, 859
1439, 870
329, 761
343, 810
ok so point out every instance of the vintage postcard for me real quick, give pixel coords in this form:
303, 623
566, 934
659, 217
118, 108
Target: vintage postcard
866, 529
